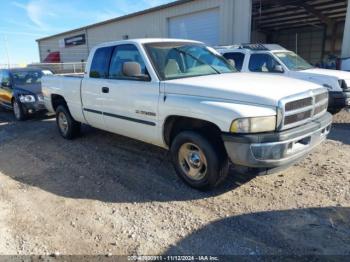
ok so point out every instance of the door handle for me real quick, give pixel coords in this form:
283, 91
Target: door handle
105, 90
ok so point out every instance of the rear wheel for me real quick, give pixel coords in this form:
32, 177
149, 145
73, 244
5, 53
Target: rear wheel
197, 161
18, 111
67, 126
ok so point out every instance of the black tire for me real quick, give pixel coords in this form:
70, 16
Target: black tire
18, 112
71, 128
216, 160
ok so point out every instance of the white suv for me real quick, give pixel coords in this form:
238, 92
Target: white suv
272, 58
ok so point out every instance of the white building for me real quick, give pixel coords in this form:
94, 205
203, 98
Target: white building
313, 28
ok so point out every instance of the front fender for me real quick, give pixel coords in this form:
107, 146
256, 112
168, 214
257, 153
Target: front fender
219, 112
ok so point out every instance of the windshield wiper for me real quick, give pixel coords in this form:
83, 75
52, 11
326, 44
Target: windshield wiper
302, 67
197, 59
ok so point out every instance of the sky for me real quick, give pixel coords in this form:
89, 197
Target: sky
24, 21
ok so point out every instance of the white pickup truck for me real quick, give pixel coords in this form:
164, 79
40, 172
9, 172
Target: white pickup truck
164, 92
272, 58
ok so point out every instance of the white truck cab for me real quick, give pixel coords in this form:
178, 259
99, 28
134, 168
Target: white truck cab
184, 96
272, 58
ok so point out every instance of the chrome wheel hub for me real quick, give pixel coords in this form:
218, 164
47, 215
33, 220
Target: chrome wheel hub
63, 122
192, 161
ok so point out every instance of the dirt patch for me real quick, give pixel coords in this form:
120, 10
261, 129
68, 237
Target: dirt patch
104, 193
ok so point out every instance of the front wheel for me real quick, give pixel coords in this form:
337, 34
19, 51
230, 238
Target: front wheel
67, 126
18, 111
200, 163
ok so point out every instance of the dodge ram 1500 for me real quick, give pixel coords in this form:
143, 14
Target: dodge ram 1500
184, 96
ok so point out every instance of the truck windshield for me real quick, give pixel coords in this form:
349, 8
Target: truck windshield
23, 77
293, 61
174, 60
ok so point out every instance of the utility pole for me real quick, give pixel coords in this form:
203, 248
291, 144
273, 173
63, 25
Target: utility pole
7, 51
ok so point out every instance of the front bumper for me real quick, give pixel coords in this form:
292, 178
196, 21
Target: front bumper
339, 100
277, 149
35, 107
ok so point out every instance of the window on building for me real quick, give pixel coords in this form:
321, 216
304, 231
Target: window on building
100, 62
263, 63
237, 58
121, 55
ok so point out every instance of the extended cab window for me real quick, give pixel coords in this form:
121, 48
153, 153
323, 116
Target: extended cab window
100, 62
237, 58
263, 63
123, 54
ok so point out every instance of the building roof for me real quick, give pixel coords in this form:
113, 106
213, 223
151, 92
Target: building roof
146, 11
273, 15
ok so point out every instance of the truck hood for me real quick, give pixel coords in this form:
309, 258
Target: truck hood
253, 88
324, 77
329, 72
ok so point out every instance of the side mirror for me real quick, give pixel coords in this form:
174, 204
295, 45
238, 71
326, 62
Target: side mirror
133, 69
278, 69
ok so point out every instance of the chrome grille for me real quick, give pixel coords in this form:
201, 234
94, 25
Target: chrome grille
300, 109
298, 104
321, 97
297, 117
320, 109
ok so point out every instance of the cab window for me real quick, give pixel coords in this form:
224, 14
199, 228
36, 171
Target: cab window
100, 62
263, 63
237, 58
127, 55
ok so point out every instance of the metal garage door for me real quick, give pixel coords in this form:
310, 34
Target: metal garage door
200, 26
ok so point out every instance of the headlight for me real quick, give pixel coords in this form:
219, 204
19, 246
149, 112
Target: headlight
254, 124
27, 98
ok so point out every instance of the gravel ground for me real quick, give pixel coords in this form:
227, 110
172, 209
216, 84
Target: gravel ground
107, 194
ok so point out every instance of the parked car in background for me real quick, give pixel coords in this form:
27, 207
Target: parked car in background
20, 91
184, 96
271, 58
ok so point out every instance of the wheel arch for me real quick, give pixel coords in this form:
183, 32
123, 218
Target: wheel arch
175, 124
57, 100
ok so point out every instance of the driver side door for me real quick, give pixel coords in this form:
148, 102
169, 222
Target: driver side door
130, 105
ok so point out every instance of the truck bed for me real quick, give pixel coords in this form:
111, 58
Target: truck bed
67, 86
